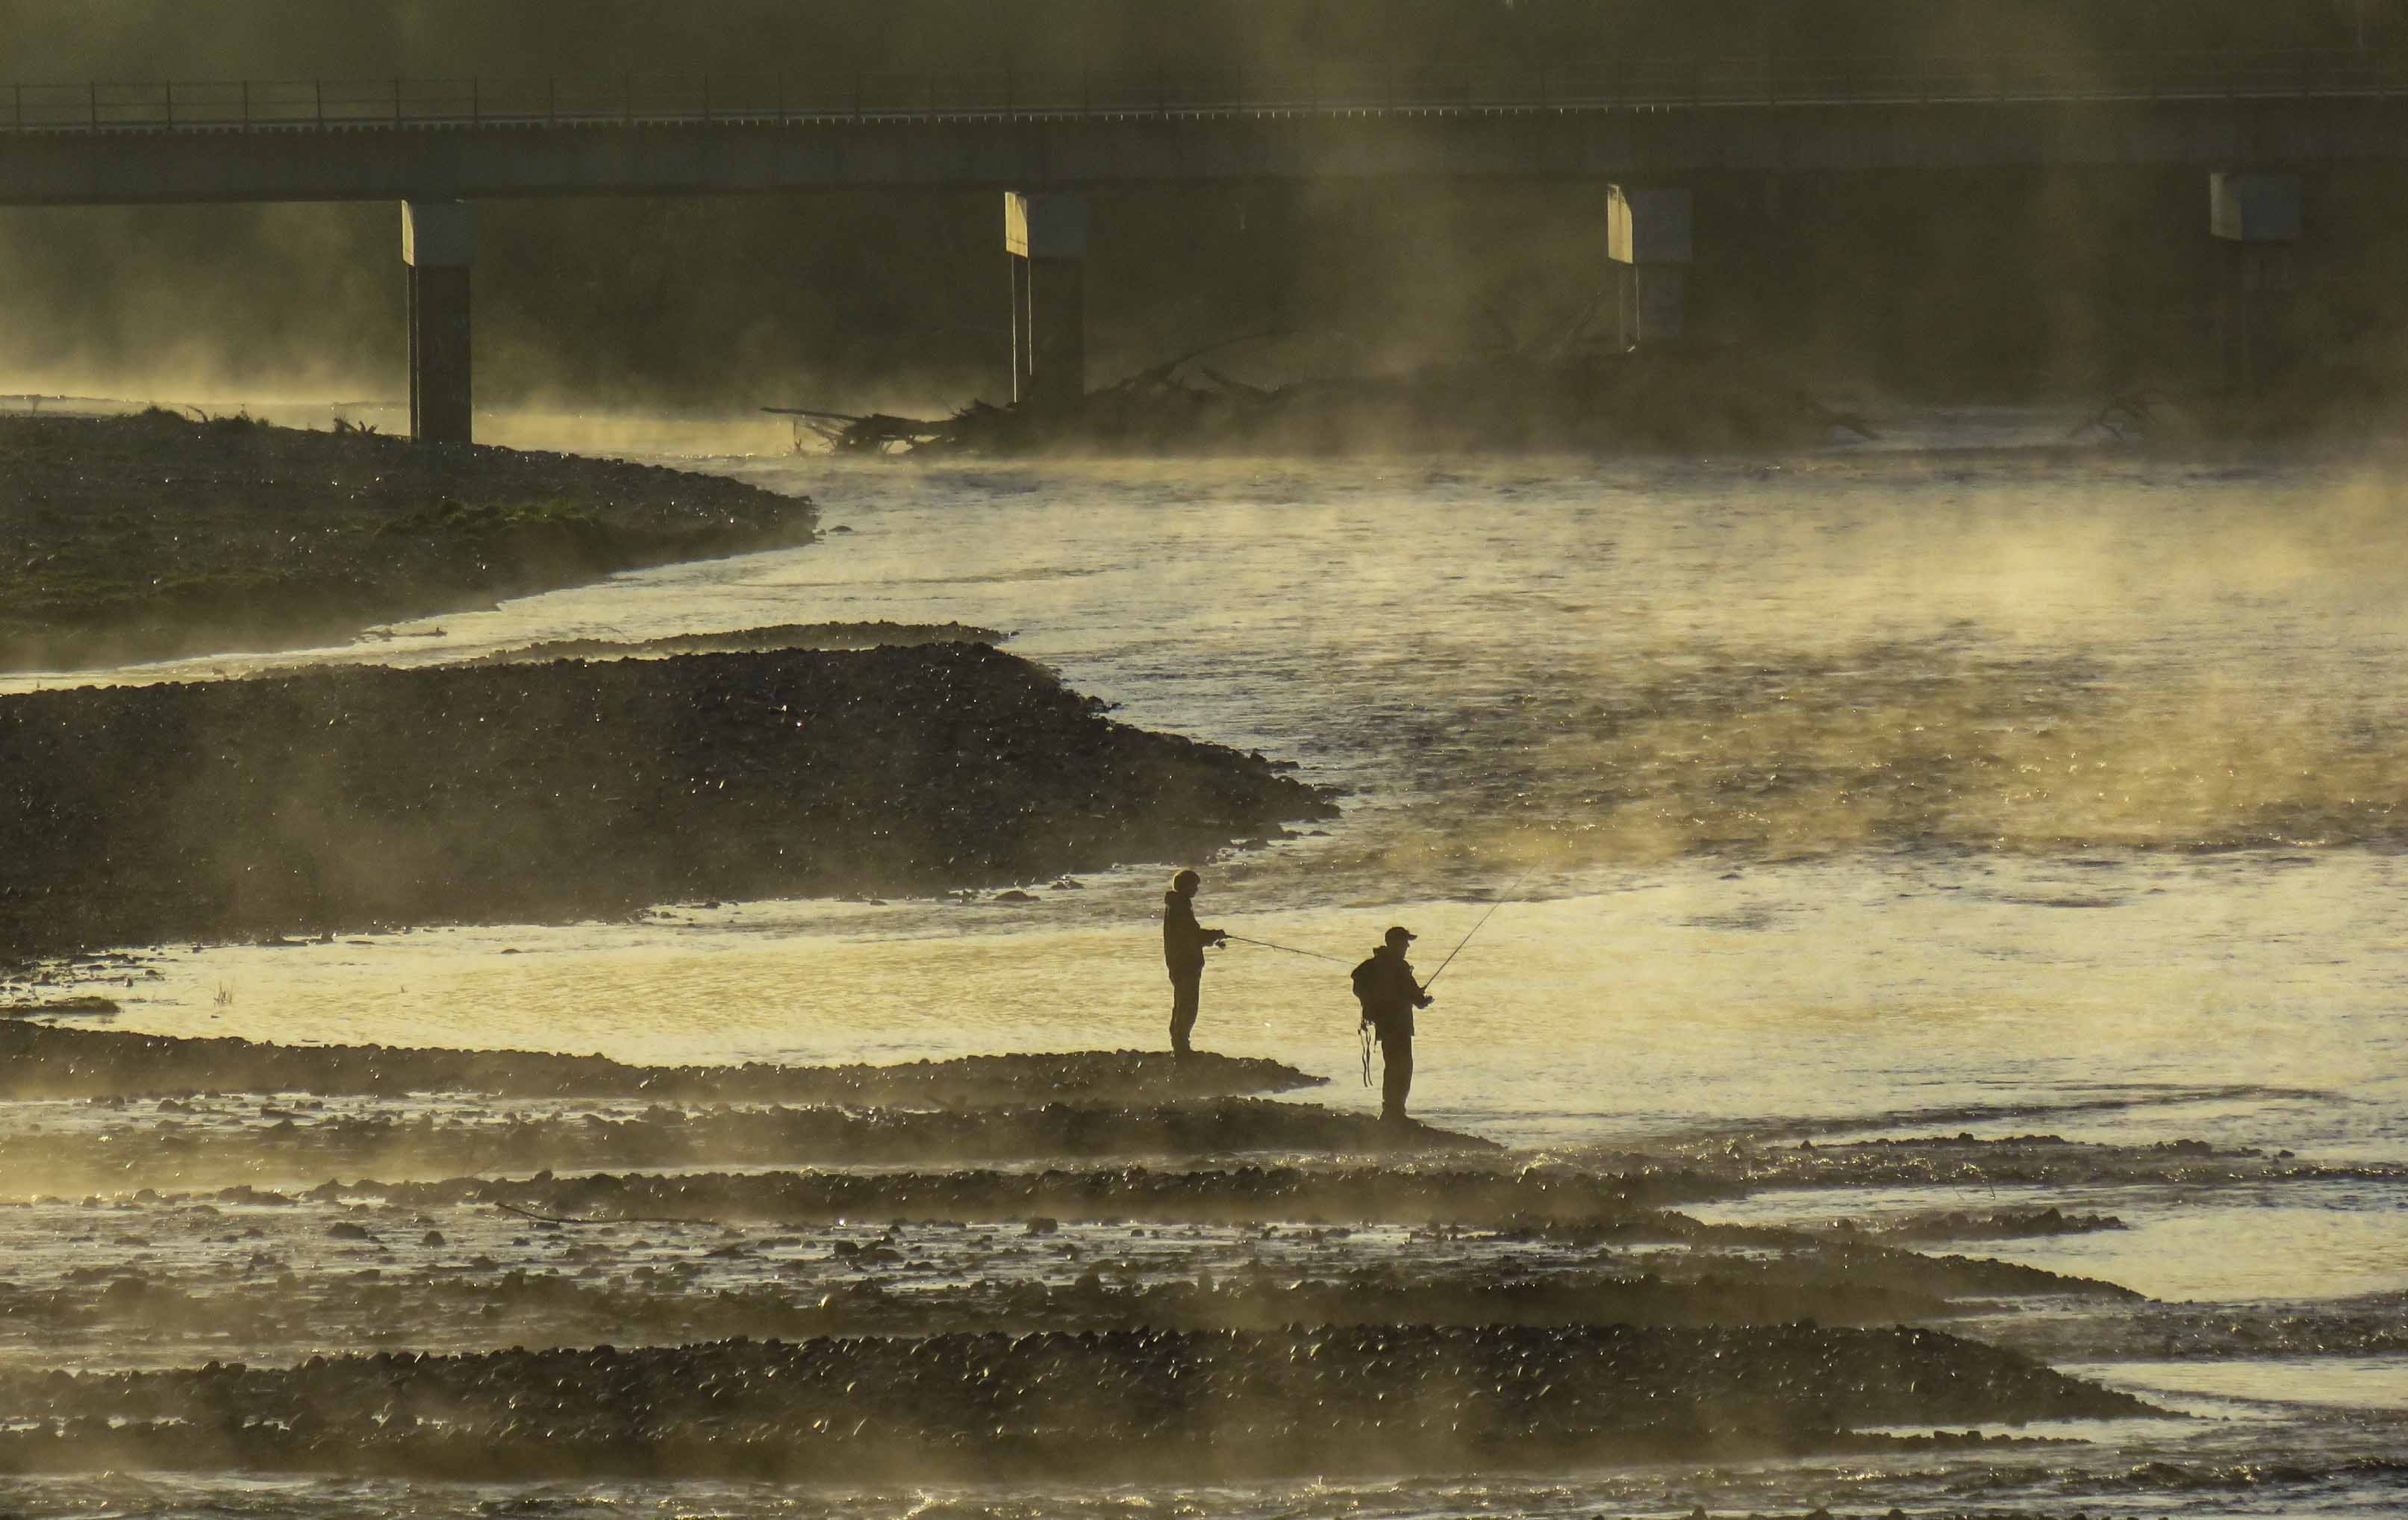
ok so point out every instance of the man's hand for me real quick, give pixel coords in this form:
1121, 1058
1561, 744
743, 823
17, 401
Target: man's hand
1425, 999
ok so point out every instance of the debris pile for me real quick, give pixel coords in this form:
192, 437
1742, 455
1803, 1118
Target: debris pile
1676, 401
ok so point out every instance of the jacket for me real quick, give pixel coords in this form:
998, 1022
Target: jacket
1385, 987
1183, 938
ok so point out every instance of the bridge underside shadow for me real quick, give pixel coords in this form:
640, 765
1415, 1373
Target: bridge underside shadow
1637, 165
486, 162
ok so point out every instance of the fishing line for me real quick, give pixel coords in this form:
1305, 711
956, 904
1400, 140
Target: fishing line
1240, 939
1365, 1030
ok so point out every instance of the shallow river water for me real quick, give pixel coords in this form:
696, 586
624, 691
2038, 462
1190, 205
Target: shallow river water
1863, 794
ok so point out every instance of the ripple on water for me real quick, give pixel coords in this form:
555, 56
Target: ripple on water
1859, 788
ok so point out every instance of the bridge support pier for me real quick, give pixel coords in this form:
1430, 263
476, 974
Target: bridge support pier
1648, 247
2259, 215
1045, 239
438, 244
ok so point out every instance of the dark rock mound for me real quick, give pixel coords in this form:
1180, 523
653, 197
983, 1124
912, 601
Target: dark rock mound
448, 1309
552, 1310
303, 1146
1457, 1194
1991, 1225
147, 537
40, 1061
783, 636
85, 1006
2372, 1324
331, 1269
2039, 1161
558, 791
1091, 1405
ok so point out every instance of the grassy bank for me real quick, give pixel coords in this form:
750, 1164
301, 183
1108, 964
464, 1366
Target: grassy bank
154, 535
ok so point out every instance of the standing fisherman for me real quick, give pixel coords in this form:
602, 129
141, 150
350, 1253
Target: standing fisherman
1182, 952
1385, 987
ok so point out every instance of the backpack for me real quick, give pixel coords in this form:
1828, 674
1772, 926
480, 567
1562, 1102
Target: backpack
1367, 980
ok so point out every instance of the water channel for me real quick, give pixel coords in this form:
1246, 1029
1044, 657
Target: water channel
1856, 794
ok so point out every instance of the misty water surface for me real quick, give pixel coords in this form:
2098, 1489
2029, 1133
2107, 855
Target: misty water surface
1936, 793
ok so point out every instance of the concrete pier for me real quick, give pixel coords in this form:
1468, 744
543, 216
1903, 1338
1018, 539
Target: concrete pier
1622, 281
2259, 217
439, 245
1045, 239
1648, 248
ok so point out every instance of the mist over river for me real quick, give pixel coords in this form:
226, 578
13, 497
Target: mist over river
1854, 795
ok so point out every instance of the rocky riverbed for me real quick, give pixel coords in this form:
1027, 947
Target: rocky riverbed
1116, 1404
157, 535
1108, 1265
41, 1060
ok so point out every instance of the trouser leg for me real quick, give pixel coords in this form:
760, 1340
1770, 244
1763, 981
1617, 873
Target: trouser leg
1186, 993
1397, 1075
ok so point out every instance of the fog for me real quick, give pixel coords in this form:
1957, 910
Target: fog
1902, 895
2080, 282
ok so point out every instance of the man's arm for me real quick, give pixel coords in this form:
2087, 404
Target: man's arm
1399, 988
1179, 919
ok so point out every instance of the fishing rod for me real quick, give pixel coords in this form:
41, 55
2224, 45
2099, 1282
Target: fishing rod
1477, 927
1291, 949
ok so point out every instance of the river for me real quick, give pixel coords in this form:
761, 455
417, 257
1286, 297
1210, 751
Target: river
1856, 794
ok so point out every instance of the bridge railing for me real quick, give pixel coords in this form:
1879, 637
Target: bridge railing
1657, 82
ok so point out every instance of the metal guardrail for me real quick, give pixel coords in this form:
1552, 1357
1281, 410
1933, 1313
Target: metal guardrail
1696, 83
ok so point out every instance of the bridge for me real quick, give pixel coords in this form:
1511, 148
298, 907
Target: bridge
441, 145
293, 141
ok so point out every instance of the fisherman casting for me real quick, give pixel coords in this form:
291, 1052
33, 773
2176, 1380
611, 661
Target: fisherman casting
1182, 952
1385, 987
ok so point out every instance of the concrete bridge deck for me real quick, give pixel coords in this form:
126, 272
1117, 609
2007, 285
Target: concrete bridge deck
95, 144
439, 147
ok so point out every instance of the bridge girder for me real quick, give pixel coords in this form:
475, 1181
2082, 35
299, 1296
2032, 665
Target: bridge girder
486, 162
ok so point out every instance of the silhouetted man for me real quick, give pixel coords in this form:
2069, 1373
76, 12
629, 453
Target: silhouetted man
1182, 952
1385, 986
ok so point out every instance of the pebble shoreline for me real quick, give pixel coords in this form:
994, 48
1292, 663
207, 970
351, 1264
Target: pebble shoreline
1188, 1319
